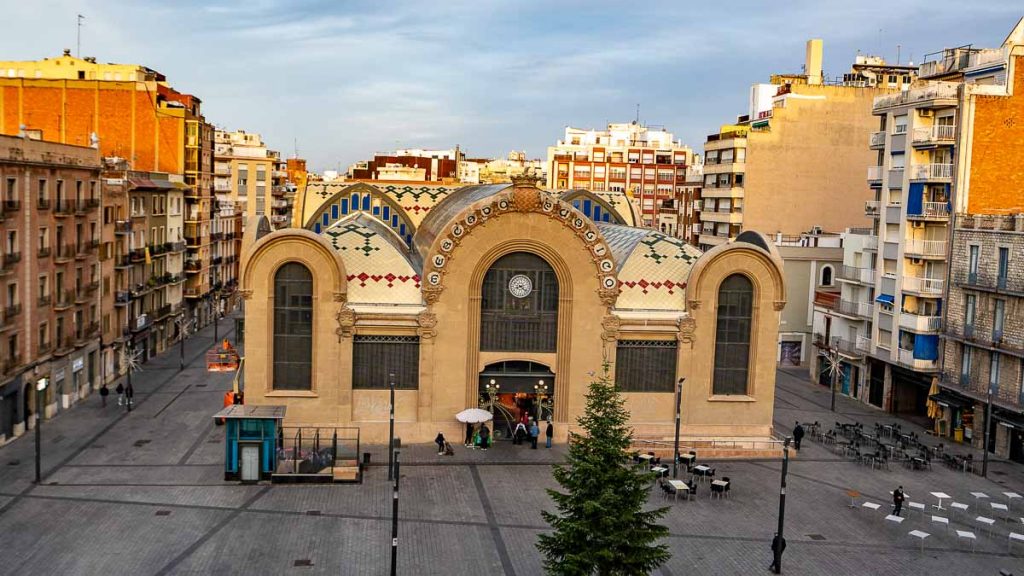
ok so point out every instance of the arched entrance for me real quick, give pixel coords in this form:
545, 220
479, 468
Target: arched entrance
519, 305
516, 391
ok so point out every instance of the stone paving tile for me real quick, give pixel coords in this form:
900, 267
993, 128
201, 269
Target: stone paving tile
226, 496
517, 493
66, 537
340, 546
430, 493
168, 475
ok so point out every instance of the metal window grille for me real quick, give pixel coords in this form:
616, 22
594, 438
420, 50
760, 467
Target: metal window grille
374, 358
732, 337
646, 365
528, 324
293, 327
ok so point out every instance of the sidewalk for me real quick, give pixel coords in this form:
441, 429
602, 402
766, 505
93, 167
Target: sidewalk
72, 431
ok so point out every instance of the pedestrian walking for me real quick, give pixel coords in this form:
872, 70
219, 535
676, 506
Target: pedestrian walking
534, 433
485, 436
778, 547
798, 435
104, 392
129, 396
440, 443
519, 434
469, 435
548, 434
898, 496
120, 393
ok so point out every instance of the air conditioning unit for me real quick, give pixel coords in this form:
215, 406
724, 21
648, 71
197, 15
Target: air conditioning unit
917, 224
926, 113
816, 230
915, 261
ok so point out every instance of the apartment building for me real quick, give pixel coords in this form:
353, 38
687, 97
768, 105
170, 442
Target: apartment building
646, 162
788, 168
128, 111
417, 165
939, 181
49, 277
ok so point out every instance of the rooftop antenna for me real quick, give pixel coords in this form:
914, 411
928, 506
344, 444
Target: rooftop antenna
296, 144
78, 47
898, 46
637, 121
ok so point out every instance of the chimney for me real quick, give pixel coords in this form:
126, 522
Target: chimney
812, 65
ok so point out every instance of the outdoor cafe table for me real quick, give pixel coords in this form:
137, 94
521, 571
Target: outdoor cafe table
1009, 497
701, 470
1002, 508
687, 458
646, 459
941, 496
678, 486
721, 484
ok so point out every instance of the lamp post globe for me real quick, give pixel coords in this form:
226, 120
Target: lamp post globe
41, 385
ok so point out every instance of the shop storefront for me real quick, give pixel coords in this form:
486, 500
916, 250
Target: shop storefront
910, 394
956, 419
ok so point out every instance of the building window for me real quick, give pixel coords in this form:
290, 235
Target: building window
732, 335
973, 253
998, 312
519, 305
969, 314
646, 365
1004, 265
376, 358
826, 276
965, 365
993, 373
293, 327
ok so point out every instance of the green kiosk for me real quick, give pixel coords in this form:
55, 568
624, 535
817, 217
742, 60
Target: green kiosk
252, 434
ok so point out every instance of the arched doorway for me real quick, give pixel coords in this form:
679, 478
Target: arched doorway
516, 391
519, 305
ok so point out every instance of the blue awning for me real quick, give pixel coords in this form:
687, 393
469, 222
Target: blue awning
885, 299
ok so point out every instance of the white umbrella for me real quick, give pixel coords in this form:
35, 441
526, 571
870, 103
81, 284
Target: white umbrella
473, 416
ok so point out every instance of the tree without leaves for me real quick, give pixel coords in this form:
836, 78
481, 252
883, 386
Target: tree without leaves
601, 526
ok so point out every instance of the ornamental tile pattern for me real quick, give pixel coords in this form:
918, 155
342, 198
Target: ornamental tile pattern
375, 261
654, 276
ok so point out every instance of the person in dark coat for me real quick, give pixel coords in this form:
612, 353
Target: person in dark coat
548, 434
798, 435
781, 547
440, 443
104, 392
519, 434
485, 436
534, 433
469, 435
897, 500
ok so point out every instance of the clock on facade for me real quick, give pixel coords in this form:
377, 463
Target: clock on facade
520, 285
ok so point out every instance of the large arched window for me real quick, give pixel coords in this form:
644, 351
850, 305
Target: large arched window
732, 335
519, 305
293, 327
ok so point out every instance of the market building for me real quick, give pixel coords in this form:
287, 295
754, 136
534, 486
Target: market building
505, 293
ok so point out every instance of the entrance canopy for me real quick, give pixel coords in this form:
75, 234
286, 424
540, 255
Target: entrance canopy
517, 376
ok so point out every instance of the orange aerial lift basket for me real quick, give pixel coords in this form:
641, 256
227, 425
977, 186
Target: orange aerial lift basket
224, 358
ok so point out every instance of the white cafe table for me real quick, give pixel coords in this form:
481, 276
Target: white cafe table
1002, 508
941, 520
678, 486
645, 459
919, 506
986, 521
960, 534
979, 495
701, 471
871, 505
958, 506
1010, 496
941, 496
921, 535
893, 518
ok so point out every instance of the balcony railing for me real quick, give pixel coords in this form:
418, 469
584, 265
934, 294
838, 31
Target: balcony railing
855, 274
931, 211
864, 344
871, 207
877, 139
934, 248
42, 204
932, 172
985, 282
920, 323
11, 363
64, 207
932, 286
906, 357
931, 134
123, 227
859, 309
9, 206
828, 300
193, 266
12, 310
44, 300
874, 173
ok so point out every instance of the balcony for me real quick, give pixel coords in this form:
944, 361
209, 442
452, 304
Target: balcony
9, 206
871, 207
163, 312
864, 344
92, 286
925, 249
81, 295
195, 292
142, 321
993, 285
924, 286
906, 357
875, 174
827, 300
123, 261
63, 208
11, 363
43, 301
65, 299
877, 140
139, 213
934, 211
217, 260
193, 266
279, 219
123, 227
92, 203
917, 323
934, 135
932, 172
855, 274
177, 246
138, 255
855, 309
216, 236
42, 204
12, 310
122, 297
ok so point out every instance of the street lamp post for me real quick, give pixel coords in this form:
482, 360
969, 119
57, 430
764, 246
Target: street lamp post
782, 506
394, 522
679, 402
541, 389
41, 385
492, 389
180, 321
128, 391
391, 429
216, 316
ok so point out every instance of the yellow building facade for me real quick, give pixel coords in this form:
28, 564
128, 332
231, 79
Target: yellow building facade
507, 297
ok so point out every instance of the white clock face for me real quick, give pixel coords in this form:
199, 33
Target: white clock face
520, 286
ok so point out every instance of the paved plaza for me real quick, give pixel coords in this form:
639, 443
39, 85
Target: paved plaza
142, 493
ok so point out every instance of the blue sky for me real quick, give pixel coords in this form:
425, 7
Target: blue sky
346, 79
